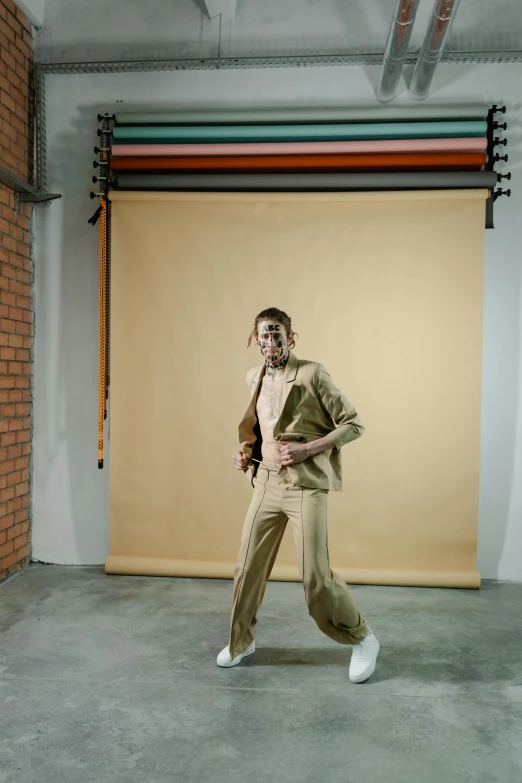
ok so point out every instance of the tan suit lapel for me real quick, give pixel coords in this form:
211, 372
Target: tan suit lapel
246, 426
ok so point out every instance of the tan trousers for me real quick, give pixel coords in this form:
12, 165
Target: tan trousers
274, 502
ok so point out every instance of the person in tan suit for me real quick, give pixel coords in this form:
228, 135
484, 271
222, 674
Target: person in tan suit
290, 439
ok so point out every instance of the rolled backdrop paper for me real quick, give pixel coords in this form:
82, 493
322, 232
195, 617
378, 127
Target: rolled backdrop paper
273, 115
399, 293
334, 132
420, 162
304, 147
307, 182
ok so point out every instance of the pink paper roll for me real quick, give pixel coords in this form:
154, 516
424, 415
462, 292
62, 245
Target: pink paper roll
304, 147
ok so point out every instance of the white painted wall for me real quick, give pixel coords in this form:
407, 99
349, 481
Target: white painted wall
94, 30
70, 506
224, 8
88, 30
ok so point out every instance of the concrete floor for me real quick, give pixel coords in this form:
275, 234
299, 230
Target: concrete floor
113, 680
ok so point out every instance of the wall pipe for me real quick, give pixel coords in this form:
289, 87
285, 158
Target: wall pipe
396, 48
442, 17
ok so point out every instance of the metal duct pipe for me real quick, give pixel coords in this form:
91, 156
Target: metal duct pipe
396, 48
442, 17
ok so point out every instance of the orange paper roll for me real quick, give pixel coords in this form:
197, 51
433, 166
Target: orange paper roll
377, 162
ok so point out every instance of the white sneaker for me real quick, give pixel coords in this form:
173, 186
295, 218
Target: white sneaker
364, 658
224, 658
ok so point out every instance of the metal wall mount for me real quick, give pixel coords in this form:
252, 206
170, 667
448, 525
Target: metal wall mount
25, 193
248, 63
224, 63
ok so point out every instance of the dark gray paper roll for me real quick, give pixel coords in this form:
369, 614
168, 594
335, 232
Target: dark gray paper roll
308, 182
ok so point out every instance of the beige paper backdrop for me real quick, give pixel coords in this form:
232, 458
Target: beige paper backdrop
384, 289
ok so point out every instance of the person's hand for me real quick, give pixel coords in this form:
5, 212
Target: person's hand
240, 461
293, 452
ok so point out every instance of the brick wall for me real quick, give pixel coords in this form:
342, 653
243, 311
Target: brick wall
16, 290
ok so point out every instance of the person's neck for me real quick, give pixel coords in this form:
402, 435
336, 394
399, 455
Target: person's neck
273, 369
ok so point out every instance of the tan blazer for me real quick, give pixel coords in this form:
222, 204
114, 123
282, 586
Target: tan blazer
311, 406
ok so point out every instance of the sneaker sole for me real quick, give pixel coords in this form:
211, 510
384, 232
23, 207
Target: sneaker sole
365, 677
236, 660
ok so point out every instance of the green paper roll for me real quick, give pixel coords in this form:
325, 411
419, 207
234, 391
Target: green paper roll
337, 132
311, 115
307, 182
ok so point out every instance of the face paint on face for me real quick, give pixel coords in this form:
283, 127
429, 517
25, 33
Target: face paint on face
273, 344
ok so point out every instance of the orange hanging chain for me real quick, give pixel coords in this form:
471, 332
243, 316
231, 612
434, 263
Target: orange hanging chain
104, 283
102, 368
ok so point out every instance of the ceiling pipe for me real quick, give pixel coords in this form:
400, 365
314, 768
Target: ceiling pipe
442, 17
396, 48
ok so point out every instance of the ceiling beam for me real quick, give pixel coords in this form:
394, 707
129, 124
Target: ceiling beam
224, 8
